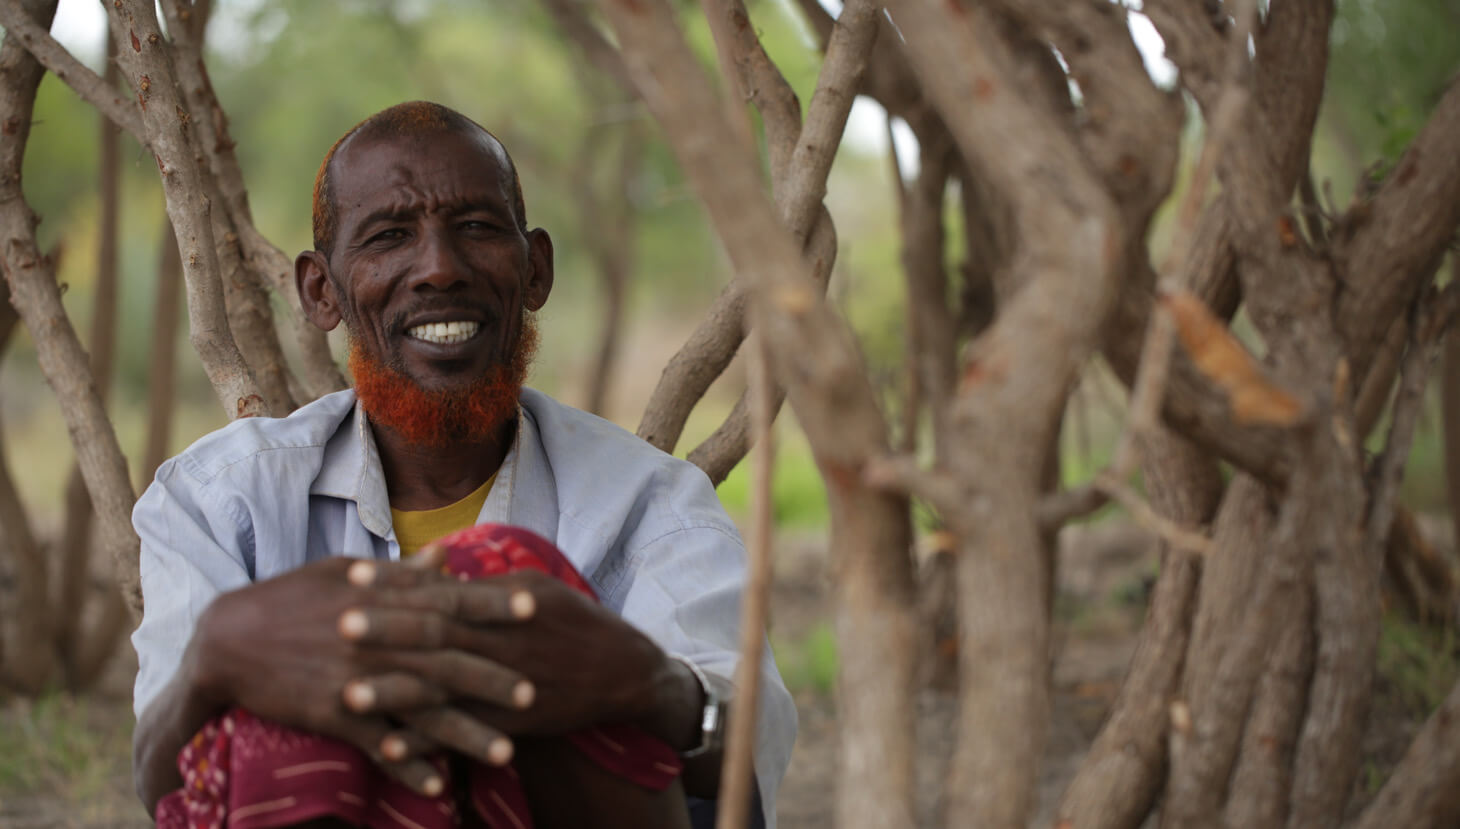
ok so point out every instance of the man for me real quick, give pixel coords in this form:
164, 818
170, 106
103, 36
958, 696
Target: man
252, 602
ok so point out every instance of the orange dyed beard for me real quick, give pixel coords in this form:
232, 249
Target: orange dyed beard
447, 417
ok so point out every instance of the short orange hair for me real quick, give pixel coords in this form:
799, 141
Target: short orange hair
402, 120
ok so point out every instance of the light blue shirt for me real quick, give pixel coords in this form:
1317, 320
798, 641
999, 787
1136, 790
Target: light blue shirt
263, 496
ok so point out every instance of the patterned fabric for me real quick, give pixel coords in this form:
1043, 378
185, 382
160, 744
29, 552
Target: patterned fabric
243, 772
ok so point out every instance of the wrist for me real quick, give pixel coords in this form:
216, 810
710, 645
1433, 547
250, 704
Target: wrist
713, 707
678, 699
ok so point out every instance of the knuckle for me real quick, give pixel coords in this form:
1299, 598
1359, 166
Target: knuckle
448, 598
431, 630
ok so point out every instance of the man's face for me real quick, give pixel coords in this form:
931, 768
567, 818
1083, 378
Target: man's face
431, 271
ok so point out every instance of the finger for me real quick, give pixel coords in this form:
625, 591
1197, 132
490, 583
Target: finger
369, 735
492, 601
405, 744
391, 692
396, 574
416, 773
465, 674
456, 729
398, 628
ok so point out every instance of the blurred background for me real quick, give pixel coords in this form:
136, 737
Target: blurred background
293, 76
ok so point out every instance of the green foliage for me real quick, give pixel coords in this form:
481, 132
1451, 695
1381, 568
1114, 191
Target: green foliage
798, 494
1389, 62
808, 664
1418, 665
63, 745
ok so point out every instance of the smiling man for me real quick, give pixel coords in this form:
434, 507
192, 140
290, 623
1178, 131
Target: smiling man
301, 660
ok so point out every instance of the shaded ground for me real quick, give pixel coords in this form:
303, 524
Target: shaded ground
66, 763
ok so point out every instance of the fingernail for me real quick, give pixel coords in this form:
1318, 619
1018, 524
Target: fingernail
360, 696
523, 694
523, 605
433, 786
499, 753
353, 624
393, 747
361, 574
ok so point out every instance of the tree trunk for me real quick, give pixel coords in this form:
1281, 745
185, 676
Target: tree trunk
27, 652
74, 576
162, 358
63, 361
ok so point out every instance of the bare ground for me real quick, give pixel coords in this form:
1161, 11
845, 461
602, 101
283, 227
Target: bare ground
66, 762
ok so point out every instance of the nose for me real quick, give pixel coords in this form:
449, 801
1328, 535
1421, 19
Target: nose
439, 265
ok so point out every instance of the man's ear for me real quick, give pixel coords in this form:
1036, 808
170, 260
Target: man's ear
540, 279
317, 293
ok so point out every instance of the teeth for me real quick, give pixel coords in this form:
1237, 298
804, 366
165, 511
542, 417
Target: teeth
444, 333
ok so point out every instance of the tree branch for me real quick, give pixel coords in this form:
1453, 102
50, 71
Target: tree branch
53, 56
162, 355
1227, 651
800, 161
1425, 346
1386, 248
1011, 386
37, 298
718, 454
1194, 41
815, 356
27, 655
76, 534
250, 318
575, 26
147, 66
1421, 792
1119, 780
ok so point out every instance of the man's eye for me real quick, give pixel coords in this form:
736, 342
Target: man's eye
391, 235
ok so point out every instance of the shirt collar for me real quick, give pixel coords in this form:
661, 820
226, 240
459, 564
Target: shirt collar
352, 471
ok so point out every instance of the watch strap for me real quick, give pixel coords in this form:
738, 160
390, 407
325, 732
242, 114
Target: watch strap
712, 714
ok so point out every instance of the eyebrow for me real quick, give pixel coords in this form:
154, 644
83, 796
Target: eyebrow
396, 213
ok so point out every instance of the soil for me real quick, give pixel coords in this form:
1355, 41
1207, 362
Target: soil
1105, 574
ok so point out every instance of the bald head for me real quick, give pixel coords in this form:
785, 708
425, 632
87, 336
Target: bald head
414, 120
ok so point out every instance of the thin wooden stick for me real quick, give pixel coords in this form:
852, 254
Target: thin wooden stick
735, 773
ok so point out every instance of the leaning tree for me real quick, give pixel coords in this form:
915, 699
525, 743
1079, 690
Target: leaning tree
1249, 690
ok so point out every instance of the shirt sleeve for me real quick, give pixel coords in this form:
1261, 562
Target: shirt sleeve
194, 547
685, 594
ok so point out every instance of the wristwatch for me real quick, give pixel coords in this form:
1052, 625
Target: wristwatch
712, 716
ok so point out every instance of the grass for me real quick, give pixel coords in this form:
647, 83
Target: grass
71, 751
1418, 665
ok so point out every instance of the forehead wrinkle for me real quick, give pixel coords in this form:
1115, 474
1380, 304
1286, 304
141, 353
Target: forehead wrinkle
407, 196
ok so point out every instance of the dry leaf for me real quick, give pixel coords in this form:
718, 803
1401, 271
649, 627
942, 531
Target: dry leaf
1218, 355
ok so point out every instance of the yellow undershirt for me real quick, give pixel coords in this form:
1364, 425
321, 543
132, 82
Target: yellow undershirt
415, 529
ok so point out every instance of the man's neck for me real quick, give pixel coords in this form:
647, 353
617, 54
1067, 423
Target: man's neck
427, 477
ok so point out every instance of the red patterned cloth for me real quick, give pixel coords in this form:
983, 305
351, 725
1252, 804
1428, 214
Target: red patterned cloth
246, 773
